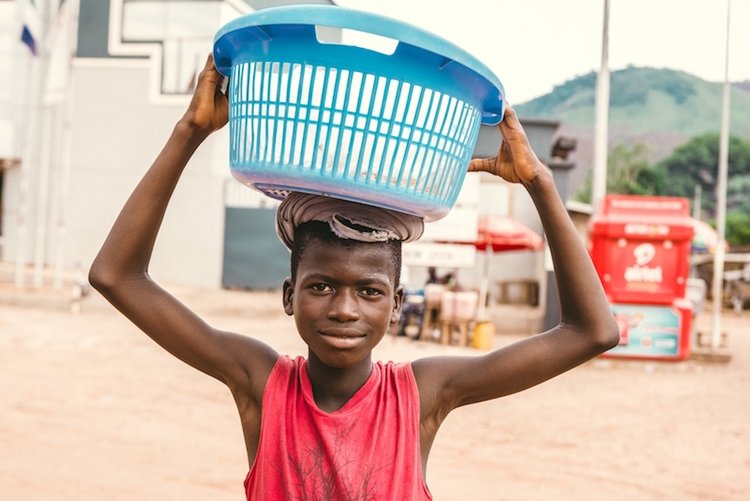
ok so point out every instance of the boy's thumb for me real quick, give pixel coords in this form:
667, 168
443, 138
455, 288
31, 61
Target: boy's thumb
482, 164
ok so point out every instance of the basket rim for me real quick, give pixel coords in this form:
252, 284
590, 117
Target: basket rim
254, 26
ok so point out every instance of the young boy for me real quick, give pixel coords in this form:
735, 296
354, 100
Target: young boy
337, 426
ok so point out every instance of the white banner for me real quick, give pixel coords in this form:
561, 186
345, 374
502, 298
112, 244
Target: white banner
460, 225
439, 255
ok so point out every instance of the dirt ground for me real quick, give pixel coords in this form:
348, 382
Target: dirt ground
91, 409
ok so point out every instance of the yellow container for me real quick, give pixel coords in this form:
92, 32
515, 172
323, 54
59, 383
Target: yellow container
484, 333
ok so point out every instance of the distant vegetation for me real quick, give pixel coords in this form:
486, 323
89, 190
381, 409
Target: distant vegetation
663, 137
646, 100
692, 164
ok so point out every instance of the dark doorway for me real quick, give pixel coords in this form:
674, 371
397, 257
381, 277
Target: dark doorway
254, 257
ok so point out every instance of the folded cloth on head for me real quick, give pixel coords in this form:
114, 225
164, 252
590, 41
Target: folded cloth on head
347, 219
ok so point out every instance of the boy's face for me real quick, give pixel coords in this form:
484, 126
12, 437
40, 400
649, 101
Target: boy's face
343, 300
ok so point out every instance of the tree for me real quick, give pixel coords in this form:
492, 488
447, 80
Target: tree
738, 188
689, 165
628, 172
628, 168
696, 163
738, 229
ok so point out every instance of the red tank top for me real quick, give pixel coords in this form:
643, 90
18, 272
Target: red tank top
366, 450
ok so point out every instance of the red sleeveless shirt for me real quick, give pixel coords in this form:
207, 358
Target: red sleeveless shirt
366, 450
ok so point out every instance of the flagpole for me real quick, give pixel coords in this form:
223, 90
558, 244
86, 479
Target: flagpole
23, 185
717, 291
63, 191
601, 130
42, 201
42, 180
65, 154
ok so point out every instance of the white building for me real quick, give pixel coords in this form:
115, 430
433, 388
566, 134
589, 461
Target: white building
69, 165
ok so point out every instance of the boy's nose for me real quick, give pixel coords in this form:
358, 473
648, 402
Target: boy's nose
344, 306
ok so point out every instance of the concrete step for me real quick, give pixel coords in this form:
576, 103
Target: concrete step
67, 294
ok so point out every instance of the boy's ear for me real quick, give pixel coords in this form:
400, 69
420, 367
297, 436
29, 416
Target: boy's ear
398, 300
287, 295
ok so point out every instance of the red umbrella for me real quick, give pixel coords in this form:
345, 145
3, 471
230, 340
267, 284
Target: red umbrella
502, 233
705, 239
498, 233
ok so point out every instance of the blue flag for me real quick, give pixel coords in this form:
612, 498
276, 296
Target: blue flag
28, 38
30, 27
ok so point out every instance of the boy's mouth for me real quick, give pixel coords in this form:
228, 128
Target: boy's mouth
343, 340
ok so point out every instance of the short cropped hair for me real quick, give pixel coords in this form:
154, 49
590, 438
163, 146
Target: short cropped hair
322, 232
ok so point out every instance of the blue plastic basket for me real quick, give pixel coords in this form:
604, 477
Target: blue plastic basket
394, 130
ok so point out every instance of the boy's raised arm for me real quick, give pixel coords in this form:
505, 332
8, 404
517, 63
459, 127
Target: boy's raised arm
587, 327
120, 270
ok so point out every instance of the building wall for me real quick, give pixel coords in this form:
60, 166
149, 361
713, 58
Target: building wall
8, 49
117, 133
18, 124
119, 122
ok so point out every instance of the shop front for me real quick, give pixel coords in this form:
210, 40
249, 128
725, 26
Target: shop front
640, 247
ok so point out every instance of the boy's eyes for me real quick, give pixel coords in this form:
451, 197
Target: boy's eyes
370, 291
366, 291
320, 287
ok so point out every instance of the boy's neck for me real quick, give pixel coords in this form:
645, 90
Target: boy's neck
333, 387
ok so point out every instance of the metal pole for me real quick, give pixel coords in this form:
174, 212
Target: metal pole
697, 195
552, 312
31, 124
42, 200
47, 117
601, 132
63, 192
721, 201
66, 151
484, 285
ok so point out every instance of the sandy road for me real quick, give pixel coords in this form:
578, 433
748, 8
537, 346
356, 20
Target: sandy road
91, 409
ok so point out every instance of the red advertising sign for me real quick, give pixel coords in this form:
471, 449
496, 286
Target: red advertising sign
660, 332
641, 248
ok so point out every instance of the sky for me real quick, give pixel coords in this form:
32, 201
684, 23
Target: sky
533, 45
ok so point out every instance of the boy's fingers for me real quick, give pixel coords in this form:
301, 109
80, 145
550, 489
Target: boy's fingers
209, 70
512, 130
510, 121
482, 164
209, 79
509, 110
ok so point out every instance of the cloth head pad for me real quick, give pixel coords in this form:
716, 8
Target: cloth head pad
348, 220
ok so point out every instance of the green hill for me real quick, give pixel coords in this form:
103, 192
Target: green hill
646, 101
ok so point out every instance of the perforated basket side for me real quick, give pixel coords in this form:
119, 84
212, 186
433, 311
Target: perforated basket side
294, 124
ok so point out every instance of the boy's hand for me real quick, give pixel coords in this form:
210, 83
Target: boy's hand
208, 110
516, 162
